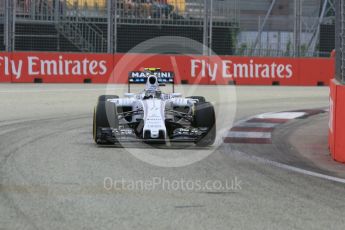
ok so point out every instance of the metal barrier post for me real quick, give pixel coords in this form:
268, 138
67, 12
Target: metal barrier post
112, 26
9, 25
342, 40
297, 28
205, 29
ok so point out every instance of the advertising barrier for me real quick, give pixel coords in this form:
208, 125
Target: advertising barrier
22, 67
336, 121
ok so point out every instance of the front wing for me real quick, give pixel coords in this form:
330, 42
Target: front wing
123, 136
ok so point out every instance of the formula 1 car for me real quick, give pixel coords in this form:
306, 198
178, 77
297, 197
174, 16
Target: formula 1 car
152, 116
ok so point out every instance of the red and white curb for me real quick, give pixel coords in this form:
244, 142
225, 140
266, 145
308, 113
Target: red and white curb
259, 129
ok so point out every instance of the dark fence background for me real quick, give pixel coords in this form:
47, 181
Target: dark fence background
293, 28
340, 40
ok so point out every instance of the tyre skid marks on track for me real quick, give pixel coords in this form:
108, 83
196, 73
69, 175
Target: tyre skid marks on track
8, 130
259, 129
29, 122
55, 90
27, 140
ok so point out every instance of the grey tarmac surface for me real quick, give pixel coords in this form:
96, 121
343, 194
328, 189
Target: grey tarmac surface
309, 138
52, 174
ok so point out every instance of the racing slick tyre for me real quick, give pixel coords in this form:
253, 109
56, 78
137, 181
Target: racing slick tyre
199, 98
106, 97
204, 117
105, 116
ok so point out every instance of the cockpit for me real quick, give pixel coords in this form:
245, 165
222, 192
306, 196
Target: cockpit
152, 88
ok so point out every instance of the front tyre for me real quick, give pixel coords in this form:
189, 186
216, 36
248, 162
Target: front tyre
104, 117
107, 97
204, 117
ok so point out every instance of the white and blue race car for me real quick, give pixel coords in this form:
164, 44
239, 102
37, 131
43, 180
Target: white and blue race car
152, 116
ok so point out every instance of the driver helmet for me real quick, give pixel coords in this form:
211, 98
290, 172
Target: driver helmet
152, 83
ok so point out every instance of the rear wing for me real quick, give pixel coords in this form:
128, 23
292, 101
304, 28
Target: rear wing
140, 77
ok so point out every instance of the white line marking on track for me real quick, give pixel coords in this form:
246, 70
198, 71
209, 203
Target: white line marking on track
283, 115
293, 169
256, 125
235, 134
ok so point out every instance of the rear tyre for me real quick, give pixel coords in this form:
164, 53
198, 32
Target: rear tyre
107, 97
199, 98
104, 116
204, 117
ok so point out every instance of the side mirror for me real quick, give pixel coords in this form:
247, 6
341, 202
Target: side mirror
129, 95
175, 95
